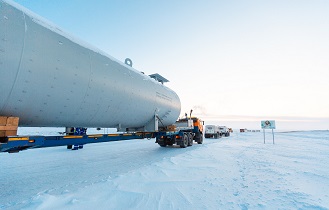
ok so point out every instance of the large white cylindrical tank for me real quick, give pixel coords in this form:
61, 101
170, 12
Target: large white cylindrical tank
49, 79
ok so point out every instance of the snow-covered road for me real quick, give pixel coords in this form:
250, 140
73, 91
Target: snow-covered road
238, 172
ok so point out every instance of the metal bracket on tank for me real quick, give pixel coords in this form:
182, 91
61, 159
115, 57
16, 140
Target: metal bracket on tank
152, 125
119, 128
129, 62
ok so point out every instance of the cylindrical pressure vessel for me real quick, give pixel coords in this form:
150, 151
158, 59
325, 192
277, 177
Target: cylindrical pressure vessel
50, 79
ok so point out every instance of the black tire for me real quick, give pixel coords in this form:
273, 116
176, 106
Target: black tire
162, 142
184, 141
170, 140
200, 139
190, 139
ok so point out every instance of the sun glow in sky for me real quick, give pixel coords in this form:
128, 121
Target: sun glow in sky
225, 59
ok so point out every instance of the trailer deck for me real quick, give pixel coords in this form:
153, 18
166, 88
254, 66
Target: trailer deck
19, 143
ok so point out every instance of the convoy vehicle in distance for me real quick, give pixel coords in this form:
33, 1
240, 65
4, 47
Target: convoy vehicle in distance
224, 131
216, 131
212, 131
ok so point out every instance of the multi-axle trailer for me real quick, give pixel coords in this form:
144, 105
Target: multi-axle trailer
182, 133
49, 78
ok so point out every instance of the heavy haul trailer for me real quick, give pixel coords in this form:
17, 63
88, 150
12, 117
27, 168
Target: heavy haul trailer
182, 133
51, 79
19, 143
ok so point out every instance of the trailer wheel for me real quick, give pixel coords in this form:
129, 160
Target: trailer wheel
170, 143
161, 142
184, 141
190, 139
170, 140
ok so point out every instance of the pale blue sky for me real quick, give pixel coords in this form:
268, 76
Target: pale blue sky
225, 59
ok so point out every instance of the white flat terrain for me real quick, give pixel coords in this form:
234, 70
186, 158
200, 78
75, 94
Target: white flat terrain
237, 172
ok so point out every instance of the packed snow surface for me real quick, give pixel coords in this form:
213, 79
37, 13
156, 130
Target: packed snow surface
237, 172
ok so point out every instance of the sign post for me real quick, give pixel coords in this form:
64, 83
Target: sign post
268, 124
264, 135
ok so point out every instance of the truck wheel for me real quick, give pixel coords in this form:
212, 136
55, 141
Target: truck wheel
184, 141
190, 139
161, 142
200, 139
